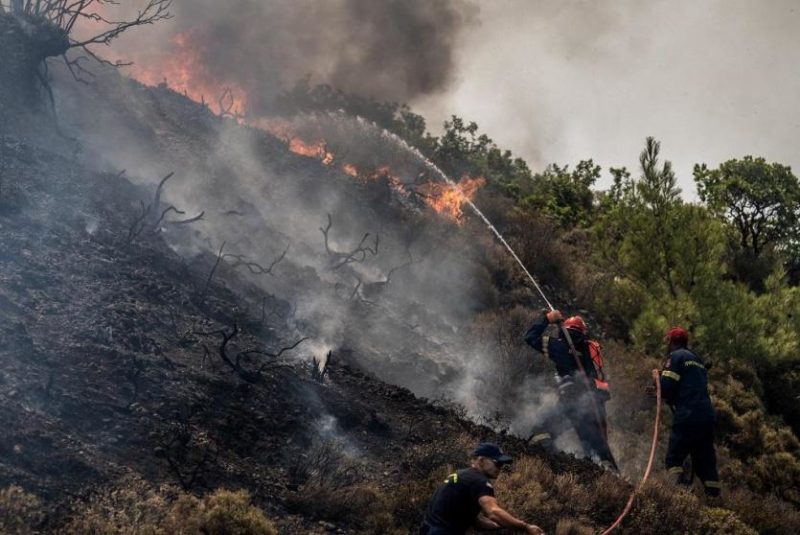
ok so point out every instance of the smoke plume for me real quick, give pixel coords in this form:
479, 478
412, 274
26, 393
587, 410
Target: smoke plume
390, 50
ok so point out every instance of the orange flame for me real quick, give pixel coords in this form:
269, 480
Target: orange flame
185, 72
350, 169
312, 150
449, 200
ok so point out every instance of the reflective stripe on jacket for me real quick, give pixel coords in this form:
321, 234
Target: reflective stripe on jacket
684, 386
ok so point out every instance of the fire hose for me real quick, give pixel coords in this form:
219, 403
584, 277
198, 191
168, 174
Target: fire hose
574, 352
647, 470
654, 442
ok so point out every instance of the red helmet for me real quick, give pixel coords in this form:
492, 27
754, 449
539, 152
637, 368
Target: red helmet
576, 323
678, 336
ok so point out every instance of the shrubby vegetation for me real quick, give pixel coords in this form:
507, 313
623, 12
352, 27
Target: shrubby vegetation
132, 506
642, 259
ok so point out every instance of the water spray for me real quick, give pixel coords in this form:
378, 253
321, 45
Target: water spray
441, 174
433, 167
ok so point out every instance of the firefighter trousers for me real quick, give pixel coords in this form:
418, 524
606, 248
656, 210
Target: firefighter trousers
695, 440
577, 409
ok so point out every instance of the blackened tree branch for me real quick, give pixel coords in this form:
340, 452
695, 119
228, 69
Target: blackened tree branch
342, 258
254, 268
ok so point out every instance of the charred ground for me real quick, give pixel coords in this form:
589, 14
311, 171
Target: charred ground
111, 362
140, 366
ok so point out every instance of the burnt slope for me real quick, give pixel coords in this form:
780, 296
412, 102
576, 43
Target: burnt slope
106, 372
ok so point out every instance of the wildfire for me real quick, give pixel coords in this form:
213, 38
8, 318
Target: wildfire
185, 72
443, 198
449, 200
312, 150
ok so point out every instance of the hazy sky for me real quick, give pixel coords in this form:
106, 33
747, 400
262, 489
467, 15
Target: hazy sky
553, 80
563, 81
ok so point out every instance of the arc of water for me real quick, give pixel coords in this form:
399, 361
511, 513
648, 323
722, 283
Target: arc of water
441, 174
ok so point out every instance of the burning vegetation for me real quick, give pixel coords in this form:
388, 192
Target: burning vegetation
140, 347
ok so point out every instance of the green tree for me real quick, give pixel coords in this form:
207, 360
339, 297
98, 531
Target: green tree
646, 235
648, 222
563, 194
762, 203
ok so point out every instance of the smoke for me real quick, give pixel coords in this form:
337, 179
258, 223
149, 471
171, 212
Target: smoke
564, 81
390, 50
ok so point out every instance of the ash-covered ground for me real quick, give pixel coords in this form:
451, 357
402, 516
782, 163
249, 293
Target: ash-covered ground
132, 347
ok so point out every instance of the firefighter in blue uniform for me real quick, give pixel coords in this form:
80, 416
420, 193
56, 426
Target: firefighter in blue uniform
582, 407
684, 387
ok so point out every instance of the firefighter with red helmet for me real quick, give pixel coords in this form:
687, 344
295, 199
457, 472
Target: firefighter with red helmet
582, 387
684, 387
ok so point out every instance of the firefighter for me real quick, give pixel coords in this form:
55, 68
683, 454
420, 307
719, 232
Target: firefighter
581, 399
684, 387
466, 499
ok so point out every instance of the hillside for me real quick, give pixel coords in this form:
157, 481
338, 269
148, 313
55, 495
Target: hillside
170, 278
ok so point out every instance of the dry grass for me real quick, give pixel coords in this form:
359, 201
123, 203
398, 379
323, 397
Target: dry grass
20, 512
133, 507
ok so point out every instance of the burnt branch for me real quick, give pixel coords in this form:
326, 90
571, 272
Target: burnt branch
64, 15
146, 219
253, 267
226, 102
325, 234
341, 258
225, 338
134, 374
187, 450
77, 70
171, 208
137, 225
235, 362
213, 270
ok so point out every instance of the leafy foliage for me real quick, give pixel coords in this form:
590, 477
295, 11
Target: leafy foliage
762, 203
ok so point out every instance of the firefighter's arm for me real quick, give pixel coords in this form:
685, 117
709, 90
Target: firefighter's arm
536, 332
484, 524
497, 515
671, 378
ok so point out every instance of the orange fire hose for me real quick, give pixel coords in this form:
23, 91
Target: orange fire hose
653, 445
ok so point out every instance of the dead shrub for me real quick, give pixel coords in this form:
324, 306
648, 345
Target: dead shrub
134, 507
352, 505
409, 500
610, 494
573, 527
664, 509
765, 514
536, 240
20, 512
326, 465
230, 513
724, 522
533, 492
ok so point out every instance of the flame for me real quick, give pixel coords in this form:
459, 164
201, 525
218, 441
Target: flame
312, 150
449, 200
184, 71
443, 198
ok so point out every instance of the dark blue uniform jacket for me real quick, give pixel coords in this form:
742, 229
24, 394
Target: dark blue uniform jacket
558, 350
684, 386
